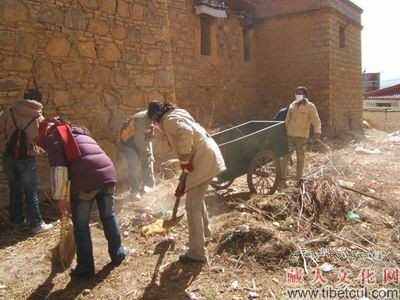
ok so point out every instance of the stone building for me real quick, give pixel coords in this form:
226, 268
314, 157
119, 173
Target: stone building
98, 61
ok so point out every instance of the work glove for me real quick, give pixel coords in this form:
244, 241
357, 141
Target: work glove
186, 166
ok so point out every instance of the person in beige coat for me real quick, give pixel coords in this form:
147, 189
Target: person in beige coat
19, 151
301, 115
201, 158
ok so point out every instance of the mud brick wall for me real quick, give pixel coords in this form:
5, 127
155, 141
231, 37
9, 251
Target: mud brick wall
345, 77
96, 61
293, 50
220, 88
387, 120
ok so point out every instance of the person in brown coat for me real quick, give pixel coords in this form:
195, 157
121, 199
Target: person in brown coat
201, 158
19, 126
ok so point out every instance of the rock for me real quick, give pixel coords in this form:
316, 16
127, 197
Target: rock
87, 49
253, 295
74, 72
86, 291
12, 11
50, 15
26, 43
118, 32
125, 233
58, 47
147, 37
98, 27
144, 80
133, 34
166, 78
88, 3
75, 19
123, 9
11, 84
108, 6
17, 63
133, 57
111, 52
153, 57
101, 75
62, 98
121, 78
44, 72
137, 12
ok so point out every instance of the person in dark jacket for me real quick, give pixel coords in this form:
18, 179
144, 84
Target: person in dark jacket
75, 157
281, 115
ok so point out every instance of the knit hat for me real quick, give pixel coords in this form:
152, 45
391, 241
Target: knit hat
33, 94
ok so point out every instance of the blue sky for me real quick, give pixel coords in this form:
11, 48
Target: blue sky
380, 37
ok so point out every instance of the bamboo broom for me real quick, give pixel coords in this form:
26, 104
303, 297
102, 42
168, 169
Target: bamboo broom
64, 253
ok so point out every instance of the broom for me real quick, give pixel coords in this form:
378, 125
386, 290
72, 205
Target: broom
64, 252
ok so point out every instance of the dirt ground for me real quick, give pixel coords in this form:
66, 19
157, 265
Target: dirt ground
249, 246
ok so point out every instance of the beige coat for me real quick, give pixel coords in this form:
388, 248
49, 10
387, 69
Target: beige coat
191, 141
299, 119
24, 111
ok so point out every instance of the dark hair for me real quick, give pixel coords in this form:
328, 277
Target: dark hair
303, 89
33, 94
157, 109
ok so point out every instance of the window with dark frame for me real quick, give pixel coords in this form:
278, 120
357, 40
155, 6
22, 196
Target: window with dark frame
342, 36
246, 45
383, 104
205, 32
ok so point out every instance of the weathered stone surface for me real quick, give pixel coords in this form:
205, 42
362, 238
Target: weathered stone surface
12, 84
133, 34
17, 63
133, 57
111, 97
166, 78
62, 98
123, 9
147, 37
88, 3
44, 72
50, 15
74, 72
26, 43
108, 6
99, 27
12, 11
75, 19
144, 80
118, 32
137, 12
87, 49
58, 47
111, 52
121, 78
101, 75
7, 39
153, 57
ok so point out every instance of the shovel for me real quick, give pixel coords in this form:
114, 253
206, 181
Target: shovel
175, 219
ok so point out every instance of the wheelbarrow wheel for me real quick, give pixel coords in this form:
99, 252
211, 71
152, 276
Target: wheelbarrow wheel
220, 185
264, 173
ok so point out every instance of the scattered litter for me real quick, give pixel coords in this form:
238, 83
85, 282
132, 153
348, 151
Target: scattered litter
327, 268
276, 280
244, 228
361, 150
352, 216
235, 285
394, 137
125, 233
86, 292
2, 287
276, 224
154, 228
253, 295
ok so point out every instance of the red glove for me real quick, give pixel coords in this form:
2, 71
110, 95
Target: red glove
180, 190
186, 167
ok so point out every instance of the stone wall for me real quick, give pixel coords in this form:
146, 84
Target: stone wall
291, 51
96, 61
220, 88
383, 119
